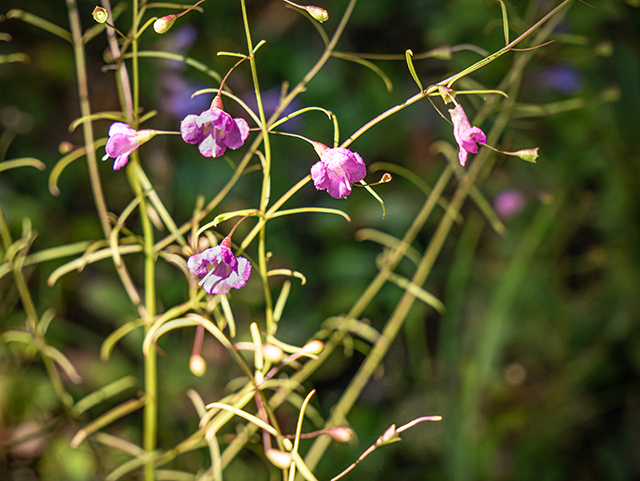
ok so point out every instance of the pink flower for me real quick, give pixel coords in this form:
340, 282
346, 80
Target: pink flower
509, 203
214, 130
220, 269
122, 141
337, 169
467, 137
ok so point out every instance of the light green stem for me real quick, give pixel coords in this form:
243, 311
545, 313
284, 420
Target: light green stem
266, 179
85, 110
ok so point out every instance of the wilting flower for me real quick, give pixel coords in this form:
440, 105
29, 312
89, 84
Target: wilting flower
220, 269
214, 130
467, 137
337, 169
509, 203
123, 140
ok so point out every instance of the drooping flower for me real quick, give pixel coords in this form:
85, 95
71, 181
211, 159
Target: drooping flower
123, 140
467, 137
336, 170
220, 269
214, 130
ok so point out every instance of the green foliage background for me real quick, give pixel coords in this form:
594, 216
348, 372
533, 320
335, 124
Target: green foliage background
535, 364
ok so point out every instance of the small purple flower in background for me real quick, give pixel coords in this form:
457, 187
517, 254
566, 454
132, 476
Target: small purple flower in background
467, 137
337, 169
562, 78
123, 140
214, 130
509, 203
220, 269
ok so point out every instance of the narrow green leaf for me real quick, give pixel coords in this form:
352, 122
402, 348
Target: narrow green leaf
40, 23
296, 113
375, 196
22, 162
102, 394
366, 63
113, 338
65, 161
412, 69
180, 58
505, 22
14, 58
115, 116
107, 418
95, 256
303, 210
418, 292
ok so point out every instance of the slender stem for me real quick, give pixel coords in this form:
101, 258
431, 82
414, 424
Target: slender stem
266, 176
85, 110
150, 415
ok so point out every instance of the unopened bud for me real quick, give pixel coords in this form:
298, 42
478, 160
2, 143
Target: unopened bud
280, 459
163, 24
388, 437
386, 177
65, 147
318, 13
272, 353
197, 365
530, 155
99, 14
313, 347
320, 148
342, 434
442, 53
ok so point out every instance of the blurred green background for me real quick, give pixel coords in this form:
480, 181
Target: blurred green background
535, 364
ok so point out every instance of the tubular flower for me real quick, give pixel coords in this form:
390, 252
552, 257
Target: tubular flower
220, 269
467, 137
214, 130
337, 169
123, 140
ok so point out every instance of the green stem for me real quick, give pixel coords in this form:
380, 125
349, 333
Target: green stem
266, 179
150, 415
85, 110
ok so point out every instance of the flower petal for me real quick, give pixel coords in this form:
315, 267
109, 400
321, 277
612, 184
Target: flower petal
319, 175
192, 133
238, 134
121, 161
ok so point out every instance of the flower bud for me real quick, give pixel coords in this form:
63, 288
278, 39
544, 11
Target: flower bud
388, 437
318, 13
99, 15
342, 434
320, 148
313, 347
280, 459
197, 365
530, 155
163, 24
386, 177
272, 353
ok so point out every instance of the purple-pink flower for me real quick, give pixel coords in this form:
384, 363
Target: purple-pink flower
467, 137
214, 130
122, 141
337, 169
509, 203
220, 269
